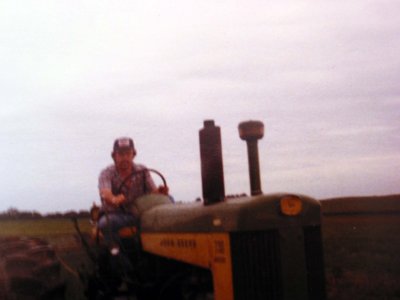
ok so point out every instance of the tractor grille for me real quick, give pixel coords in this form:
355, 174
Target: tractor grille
256, 265
314, 263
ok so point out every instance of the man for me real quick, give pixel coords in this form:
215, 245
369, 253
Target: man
119, 185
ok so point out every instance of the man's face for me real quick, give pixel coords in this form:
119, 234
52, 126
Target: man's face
123, 158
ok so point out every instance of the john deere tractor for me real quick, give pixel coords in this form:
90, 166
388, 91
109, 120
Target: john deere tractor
240, 247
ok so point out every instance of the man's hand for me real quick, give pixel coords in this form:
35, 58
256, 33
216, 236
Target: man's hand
117, 200
112, 199
163, 189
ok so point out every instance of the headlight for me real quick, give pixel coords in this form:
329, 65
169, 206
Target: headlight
291, 205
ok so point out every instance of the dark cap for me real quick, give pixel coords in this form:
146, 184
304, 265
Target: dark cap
123, 143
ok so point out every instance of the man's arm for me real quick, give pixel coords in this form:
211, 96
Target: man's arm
105, 191
108, 197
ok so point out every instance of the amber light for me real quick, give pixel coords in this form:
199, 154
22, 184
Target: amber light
291, 205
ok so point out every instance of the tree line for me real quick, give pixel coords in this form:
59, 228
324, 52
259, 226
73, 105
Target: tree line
13, 213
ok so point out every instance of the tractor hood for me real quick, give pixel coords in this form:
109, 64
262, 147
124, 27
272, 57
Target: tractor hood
261, 212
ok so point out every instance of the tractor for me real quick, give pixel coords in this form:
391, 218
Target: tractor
258, 246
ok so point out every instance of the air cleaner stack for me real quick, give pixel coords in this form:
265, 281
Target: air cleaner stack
212, 174
251, 132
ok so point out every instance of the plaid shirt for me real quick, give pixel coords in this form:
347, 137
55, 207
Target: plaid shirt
137, 185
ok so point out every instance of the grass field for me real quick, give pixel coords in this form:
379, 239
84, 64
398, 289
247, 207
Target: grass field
45, 227
362, 258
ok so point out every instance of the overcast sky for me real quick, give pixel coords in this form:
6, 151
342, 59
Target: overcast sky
323, 77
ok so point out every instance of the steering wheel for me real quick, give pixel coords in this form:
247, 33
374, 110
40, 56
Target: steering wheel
123, 183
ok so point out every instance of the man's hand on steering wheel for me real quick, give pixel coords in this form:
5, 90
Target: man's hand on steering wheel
163, 189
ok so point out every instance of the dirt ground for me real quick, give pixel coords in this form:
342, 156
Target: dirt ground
362, 256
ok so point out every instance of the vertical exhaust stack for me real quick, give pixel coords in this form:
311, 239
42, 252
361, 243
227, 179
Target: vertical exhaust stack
251, 132
212, 174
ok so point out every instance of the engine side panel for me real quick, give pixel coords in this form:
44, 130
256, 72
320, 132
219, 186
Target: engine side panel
211, 251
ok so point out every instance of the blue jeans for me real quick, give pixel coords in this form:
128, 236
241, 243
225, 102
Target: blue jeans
111, 223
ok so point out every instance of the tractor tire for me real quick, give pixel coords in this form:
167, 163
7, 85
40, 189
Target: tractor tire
29, 270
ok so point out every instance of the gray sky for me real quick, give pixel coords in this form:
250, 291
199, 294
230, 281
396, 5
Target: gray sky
323, 76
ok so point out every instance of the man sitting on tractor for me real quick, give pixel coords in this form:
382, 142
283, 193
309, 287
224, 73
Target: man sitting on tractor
119, 185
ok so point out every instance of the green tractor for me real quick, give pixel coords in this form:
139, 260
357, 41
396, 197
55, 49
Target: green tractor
263, 246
